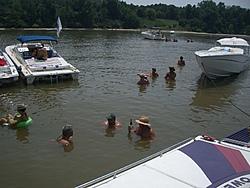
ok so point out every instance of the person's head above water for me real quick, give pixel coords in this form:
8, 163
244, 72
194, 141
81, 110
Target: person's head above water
66, 130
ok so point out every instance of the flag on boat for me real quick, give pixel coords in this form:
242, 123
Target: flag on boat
59, 26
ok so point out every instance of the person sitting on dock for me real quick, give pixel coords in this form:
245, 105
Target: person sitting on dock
181, 61
66, 138
18, 117
111, 121
154, 73
41, 53
171, 74
143, 129
143, 80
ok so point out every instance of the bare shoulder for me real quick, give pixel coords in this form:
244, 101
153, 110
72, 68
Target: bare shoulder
118, 124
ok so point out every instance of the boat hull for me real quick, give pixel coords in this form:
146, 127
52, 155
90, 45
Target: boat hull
8, 73
152, 36
221, 65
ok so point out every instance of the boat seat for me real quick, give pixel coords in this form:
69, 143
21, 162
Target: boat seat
27, 54
50, 53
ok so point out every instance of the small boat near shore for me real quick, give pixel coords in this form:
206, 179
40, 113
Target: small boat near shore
154, 34
8, 71
232, 56
54, 68
195, 162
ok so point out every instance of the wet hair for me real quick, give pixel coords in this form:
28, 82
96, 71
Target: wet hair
66, 130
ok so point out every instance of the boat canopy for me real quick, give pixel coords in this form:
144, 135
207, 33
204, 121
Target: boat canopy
27, 38
155, 28
233, 42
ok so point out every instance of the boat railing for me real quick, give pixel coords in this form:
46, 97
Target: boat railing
236, 142
114, 173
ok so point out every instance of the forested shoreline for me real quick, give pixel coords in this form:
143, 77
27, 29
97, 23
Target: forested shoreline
207, 16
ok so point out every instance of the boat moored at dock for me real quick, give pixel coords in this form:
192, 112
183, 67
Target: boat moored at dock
30, 69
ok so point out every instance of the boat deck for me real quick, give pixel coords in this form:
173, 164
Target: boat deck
193, 163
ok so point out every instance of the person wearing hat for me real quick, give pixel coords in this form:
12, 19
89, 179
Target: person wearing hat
181, 61
171, 74
65, 138
41, 53
143, 80
18, 117
111, 121
154, 73
143, 129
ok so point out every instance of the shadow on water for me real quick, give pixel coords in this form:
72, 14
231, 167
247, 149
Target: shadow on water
205, 82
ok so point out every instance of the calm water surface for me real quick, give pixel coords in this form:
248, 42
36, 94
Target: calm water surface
109, 61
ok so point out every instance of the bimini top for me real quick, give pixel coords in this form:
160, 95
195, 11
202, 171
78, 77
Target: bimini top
27, 38
233, 42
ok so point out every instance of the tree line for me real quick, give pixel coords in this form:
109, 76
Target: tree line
206, 16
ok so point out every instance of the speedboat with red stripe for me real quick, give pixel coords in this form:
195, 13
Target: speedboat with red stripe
195, 162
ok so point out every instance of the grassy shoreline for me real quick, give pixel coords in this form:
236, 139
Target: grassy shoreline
137, 30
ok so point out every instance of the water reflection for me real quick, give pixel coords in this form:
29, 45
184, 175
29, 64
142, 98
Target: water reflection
209, 95
68, 148
110, 132
139, 143
171, 84
142, 88
22, 134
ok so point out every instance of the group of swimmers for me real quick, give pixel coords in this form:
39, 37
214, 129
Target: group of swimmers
143, 129
169, 75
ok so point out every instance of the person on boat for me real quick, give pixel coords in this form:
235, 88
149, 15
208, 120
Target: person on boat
154, 73
143, 80
21, 116
171, 74
143, 129
181, 61
41, 53
66, 138
111, 122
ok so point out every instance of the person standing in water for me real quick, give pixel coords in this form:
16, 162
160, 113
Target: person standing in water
143, 129
66, 138
171, 74
181, 61
154, 73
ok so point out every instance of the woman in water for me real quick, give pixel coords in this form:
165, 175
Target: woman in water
143, 80
18, 117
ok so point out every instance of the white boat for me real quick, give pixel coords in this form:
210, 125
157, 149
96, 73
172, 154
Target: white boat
8, 71
194, 162
172, 32
32, 70
154, 34
232, 56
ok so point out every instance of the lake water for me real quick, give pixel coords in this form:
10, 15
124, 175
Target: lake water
109, 62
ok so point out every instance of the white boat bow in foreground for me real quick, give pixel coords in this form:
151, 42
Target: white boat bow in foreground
198, 162
221, 61
8, 72
54, 68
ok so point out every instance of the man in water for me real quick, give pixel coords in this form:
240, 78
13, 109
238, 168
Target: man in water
143, 129
171, 74
181, 61
154, 73
111, 121
65, 138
